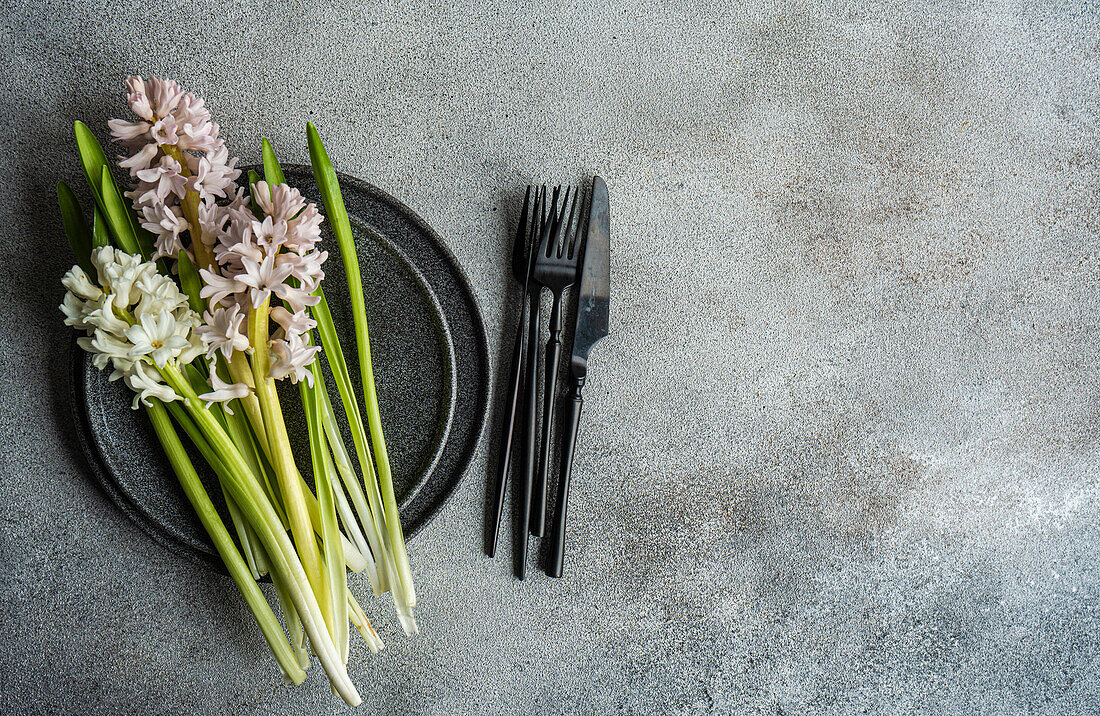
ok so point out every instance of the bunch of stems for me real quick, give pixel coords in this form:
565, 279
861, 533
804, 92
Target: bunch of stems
303, 540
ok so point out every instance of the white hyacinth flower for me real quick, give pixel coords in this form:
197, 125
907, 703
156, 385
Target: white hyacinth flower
223, 392
136, 322
105, 316
76, 310
145, 381
291, 358
80, 285
157, 337
221, 330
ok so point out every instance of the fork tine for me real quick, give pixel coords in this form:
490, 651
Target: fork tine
564, 203
553, 247
547, 229
519, 247
545, 208
536, 218
554, 202
565, 246
578, 231
537, 223
544, 211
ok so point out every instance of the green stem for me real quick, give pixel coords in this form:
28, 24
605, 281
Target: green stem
282, 456
248, 544
334, 555
198, 498
241, 372
247, 537
242, 534
293, 621
283, 558
355, 535
274, 175
385, 476
237, 427
359, 619
258, 553
372, 519
347, 474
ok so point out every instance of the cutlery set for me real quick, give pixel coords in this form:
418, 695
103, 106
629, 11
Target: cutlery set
563, 237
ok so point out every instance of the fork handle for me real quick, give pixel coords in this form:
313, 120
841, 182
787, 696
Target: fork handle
530, 425
553, 355
572, 424
509, 427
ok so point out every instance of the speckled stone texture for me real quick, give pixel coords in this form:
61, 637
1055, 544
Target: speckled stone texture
840, 452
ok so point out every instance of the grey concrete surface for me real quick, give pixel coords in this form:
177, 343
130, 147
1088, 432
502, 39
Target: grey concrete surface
841, 452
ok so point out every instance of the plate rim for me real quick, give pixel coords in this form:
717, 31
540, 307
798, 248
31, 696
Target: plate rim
108, 481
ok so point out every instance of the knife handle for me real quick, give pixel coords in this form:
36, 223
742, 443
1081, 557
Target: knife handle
549, 399
530, 425
573, 406
509, 427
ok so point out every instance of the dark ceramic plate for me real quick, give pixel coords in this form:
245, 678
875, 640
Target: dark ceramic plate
431, 368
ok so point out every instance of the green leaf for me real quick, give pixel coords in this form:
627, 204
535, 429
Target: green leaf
98, 174
117, 214
198, 378
100, 235
293, 621
327, 182
257, 210
92, 159
373, 519
273, 173
191, 283
72, 216
369, 539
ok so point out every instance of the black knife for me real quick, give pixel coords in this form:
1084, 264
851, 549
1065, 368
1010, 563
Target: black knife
593, 306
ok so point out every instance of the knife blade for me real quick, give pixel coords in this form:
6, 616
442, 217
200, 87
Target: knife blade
593, 309
594, 295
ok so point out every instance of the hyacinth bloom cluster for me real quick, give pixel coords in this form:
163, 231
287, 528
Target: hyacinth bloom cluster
247, 273
137, 322
175, 149
259, 260
182, 170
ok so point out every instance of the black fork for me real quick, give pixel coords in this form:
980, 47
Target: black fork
527, 237
555, 269
545, 215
